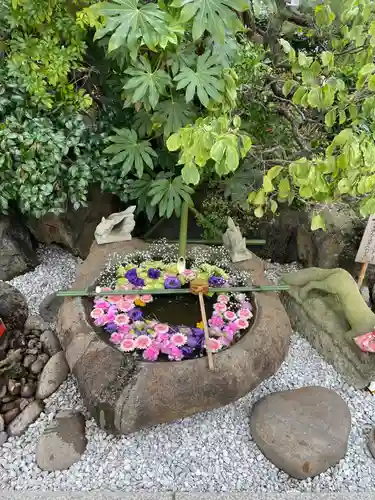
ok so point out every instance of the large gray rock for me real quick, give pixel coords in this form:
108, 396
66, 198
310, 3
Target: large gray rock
24, 419
74, 229
53, 375
125, 395
63, 442
49, 307
13, 307
304, 431
17, 255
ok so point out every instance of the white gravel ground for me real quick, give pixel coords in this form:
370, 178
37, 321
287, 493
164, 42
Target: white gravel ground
212, 451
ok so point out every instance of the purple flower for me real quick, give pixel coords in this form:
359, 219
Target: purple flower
111, 327
135, 314
194, 341
216, 281
187, 352
153, 273
131, 274
197, 332
138, 282
172, 283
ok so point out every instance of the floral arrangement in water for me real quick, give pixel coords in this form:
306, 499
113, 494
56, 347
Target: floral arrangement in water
124, 317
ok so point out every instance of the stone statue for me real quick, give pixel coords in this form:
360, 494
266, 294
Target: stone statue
117, 227
326, 306
235, 243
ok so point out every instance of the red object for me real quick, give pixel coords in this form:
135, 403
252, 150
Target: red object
2, 327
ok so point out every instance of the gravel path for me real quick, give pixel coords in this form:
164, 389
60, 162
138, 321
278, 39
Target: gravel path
212, 451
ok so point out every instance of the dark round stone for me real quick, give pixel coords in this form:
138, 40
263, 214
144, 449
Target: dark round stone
13, 307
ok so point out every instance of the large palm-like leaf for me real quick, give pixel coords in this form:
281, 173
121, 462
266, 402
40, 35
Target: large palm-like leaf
168, 195
206, 81
131, 152
146, 83
215, 16
129, 22
173, 115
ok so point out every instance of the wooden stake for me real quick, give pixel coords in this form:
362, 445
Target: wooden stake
362, 274
206, 334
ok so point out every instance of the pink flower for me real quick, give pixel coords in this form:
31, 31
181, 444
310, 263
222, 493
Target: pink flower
151, 353
189, 273
142, 342
96, 313
216, 321
175, 354
116, 337
125, 305
228, 334
128, 345
213, 345
110, 316
101, 303
241, 323
100, 321
178, 339
223, 299
246, 305
131, 298
161, 328
146, 298
244, 314
162, 337
114, 299
220, 308
121, 319
230, 315
233, 327
124, 329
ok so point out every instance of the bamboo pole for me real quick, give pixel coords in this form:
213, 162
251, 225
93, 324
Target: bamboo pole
164, 291
210, 242
362, 274
206, 333
183, 230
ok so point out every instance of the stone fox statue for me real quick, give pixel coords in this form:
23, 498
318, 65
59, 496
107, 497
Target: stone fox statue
326, 307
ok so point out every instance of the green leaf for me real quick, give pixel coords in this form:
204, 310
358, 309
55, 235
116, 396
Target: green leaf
315, 98
274, 206
342, 117
168, 195
190, 174
205, 81
367, 69
318, 222
288, 86
174, 114
330, 118
371, 83
142, 123
298, 95
327, 58
174, 142
284, 188
130, 24
214, 16
259, 212
324, 16
133, 154
146, 84
306, 192
273, 172
267, 184
303, 60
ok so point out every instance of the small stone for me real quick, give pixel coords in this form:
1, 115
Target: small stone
2, 425
33, 351
3, 438
24, 402
3, 389
35, 323
50, 343
9, 416
303, 431
54, 373
44, 356
37, 366
14, 387
29, 359
28, 390
9, 406
49, 307
7, 399
63, 442
24, 419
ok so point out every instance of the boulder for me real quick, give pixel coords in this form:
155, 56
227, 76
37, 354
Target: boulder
53, 375
49, 307
75, 229
125, 395
326, 307
17, 255
63, 442
304, 431
25, 418
35, 324
13, 307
